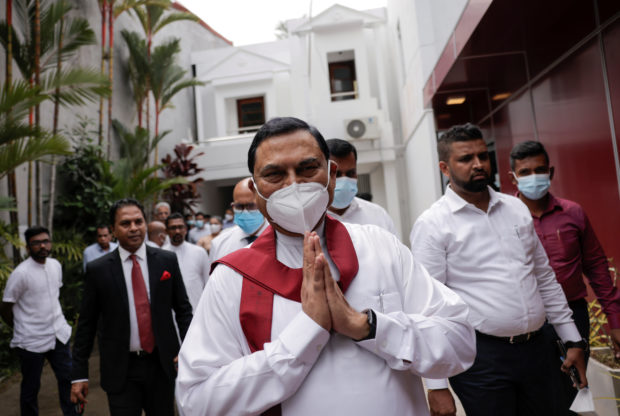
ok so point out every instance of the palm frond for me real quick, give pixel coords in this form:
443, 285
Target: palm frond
77, 85
16, 152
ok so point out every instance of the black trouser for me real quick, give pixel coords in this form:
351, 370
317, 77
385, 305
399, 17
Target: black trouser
506, 379
147, 387
564, 392
32, 366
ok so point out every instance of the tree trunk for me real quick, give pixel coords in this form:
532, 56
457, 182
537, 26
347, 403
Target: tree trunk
104, 9
110, 69
12, 182
52, 197
30, 167
37, 109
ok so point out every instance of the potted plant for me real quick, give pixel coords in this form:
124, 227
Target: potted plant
603, 368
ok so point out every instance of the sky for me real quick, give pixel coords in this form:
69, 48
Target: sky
253, 21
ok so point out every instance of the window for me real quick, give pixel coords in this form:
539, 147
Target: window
342, 78
250, 114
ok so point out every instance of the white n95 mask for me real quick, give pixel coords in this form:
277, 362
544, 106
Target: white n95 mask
299, 206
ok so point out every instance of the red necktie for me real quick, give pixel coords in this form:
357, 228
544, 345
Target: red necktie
143, 308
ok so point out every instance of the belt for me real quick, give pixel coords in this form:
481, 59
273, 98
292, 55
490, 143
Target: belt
515, 339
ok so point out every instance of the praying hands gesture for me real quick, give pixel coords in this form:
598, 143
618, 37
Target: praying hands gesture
321, 297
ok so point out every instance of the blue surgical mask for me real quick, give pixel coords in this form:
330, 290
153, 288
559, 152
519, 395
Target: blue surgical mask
534, 186
249, 221
191, 223
200, 223
345, 191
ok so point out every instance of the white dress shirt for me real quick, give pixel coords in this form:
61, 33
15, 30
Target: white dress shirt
421, 330
94, 251
196, 233
194, 264
38, 320
365, 212
495, 262
134, 335
229, 240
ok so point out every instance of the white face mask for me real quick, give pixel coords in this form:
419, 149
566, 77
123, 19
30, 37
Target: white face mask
215, 228
298, 207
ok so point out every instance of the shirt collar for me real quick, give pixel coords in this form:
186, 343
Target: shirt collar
552, 204
140, 252
455, 202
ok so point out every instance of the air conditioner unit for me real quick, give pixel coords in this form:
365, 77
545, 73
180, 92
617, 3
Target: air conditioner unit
362, 128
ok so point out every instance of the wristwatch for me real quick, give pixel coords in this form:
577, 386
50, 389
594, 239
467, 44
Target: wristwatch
583, 344
371, 318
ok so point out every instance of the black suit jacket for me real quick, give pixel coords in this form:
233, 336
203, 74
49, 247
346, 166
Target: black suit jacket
105, 303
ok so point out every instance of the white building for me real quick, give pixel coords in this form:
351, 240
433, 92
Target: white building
335, 71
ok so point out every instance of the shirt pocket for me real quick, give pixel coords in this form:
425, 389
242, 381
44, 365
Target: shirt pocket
386, 302
527, 239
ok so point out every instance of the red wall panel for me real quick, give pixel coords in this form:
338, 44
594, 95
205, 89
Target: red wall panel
573, 124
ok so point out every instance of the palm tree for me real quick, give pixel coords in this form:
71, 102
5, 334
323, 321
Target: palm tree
152, 19
138, 69
38, 55
167, 79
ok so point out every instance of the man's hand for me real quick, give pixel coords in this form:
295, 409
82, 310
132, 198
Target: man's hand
576, 357
79, 391
313, 298
615, 338
441, 402
345, 320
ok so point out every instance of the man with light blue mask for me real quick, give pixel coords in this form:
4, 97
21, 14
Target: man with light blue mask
571, 245
249, 223
346, 207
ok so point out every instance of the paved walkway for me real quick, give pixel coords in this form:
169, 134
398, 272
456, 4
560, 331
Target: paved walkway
48, 396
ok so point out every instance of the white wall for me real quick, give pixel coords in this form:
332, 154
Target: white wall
425, 28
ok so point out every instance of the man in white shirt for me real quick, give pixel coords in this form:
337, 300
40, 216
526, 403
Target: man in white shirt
104, 245
482, 244
157, 236
30, 305
193, 260
201, 228
317, 317
346, 207
249, 223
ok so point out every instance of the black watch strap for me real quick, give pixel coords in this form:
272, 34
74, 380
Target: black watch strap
372, 322
583, 344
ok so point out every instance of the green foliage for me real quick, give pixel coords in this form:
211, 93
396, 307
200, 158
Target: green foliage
69, 244
8, 360
85, 181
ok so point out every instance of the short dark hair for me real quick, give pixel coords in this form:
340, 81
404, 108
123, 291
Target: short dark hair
34, 230
125, 202
459, 133
174, 216
282, 125
200, 213
104, 226
341, 148
527, 149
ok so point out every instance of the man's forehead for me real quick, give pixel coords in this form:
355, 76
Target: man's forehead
467, 146
176, 221
531, 162
270, 151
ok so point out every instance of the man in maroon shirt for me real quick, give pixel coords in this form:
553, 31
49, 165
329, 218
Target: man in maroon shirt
568, 239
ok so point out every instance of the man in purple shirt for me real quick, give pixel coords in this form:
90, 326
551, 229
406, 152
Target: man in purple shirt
568, 239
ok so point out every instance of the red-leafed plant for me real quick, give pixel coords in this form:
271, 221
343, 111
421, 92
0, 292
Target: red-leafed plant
182, 197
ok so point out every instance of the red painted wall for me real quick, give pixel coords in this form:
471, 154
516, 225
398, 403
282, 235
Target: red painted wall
572, 120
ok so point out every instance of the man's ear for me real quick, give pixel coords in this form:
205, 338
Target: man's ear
443, 166
551, 172
251, 185
512, 178
333, 168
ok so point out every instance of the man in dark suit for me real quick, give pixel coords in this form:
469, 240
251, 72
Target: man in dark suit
129, 296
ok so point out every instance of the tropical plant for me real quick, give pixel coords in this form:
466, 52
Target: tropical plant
182, 196
167, 79
138, 66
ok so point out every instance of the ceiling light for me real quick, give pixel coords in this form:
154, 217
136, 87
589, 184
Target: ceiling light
501, 96
455, 100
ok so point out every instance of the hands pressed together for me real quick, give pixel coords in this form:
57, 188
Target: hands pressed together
321, 297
